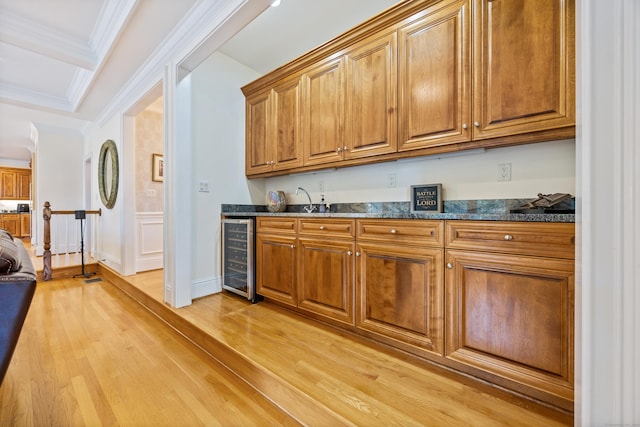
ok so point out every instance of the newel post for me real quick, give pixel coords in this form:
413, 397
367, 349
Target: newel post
46, 258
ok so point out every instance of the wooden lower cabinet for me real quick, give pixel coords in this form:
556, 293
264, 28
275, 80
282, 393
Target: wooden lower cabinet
11, 223
490, 299
510, 316
326, 278
400, 296
276, 259
25, 225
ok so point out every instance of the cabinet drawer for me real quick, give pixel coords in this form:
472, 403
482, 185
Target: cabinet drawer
419, 232
327, 227
277, 225
555, 240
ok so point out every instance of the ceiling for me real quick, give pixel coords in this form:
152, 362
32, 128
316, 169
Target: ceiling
63, 61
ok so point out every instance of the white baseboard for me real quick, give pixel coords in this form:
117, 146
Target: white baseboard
206, 287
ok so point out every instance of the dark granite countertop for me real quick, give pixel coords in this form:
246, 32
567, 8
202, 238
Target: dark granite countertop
482, 210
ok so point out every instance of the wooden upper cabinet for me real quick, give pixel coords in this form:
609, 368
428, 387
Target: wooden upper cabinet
434, 78
371, 98
273, 140
23, 185
323, 128
15, 184
258, 156
524, 66
287, 141
8, 181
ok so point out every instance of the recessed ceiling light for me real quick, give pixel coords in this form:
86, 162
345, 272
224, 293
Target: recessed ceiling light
275, 3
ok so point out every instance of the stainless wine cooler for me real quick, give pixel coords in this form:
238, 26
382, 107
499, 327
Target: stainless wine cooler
238, 258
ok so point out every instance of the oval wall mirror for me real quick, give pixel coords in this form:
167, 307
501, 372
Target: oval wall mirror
108, 173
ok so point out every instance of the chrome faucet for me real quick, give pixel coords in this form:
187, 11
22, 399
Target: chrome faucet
309, 208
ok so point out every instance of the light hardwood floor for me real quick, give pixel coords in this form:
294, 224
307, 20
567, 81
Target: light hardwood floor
314, 373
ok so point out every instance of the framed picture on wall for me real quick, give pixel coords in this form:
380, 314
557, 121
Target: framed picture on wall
158, 168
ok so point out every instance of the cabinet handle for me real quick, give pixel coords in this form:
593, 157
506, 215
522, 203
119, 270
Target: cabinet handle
293, 246
393, 231
357, 253
339, 149
322, 227
345, 148
476, 124
349, 253
464, 126
508, 237
449, 265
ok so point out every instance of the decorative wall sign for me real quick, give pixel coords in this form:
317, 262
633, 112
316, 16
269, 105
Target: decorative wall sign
158, 168
108, 173
426, 198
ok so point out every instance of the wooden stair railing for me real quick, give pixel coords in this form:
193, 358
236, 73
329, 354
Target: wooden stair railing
46, 214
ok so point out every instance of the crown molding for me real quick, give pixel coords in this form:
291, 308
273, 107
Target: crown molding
47, 41
24, 97
201, 22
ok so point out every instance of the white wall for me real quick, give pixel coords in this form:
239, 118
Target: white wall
217, 159
58, 176
546, 167
108, 228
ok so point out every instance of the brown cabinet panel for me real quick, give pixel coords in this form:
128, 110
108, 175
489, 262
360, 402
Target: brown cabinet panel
434, 79
326, 278
371, 98
333, 227
25, 225
11, 223
287, 144
323, 131
23, 185
543, 239
258, 151
512, 316
524, 66
276, 261
277, 225
419, 232
400, 294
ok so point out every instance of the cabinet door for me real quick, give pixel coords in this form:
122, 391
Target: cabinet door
326, 278
276, 267
400, 294
371, 98
434, 79
512, 316
323, 133
258, 156
287, 141
524, 70
25, 225
8, 180
23, 185
11, 223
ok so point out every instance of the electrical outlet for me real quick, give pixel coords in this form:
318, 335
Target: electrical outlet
504, 172
204, 187
391, 180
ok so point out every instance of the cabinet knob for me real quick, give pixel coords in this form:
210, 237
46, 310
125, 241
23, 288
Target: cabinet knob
357, 253
449, 265
476, 124
345, 148
464, 126
349, 253
293, 246
393, 231
339, 149
322, 227
508, 237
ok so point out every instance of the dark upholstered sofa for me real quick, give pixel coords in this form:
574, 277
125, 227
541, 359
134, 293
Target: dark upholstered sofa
17, 286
